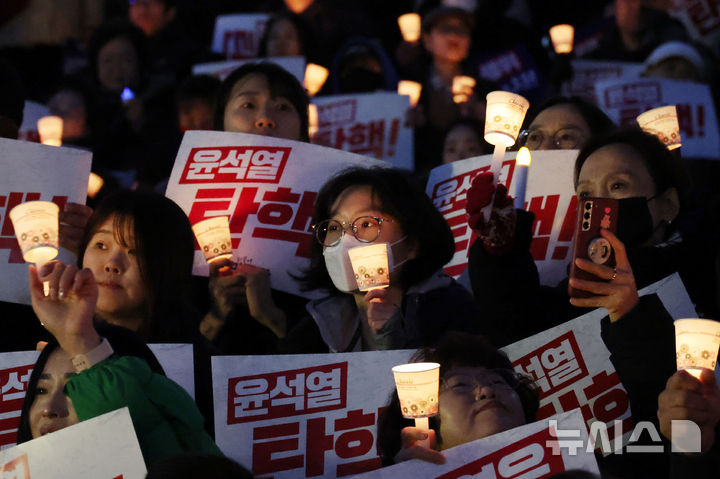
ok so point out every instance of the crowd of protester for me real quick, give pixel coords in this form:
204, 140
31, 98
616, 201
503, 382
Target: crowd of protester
119, 75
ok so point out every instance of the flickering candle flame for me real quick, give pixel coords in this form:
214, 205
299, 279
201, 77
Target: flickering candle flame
562, 37
315, 76
410, 26
411, 89
50, 129
663, 123
696, 343
522, 164
523, 157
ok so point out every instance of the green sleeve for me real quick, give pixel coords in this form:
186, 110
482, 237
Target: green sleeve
166, 419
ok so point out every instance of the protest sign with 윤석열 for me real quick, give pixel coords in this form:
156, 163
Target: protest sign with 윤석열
371, 124
266, 186
310, 415
550, 195
294, 65
103, 447
238, 35
624, 99
31, 171
526, 451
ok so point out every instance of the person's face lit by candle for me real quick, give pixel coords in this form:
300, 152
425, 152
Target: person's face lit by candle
476, 402
557, 127
252, 109
52, 410
118, 65
112, 259
461, 142
283, 40
449, 40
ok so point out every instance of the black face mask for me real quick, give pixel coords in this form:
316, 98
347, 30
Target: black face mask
634, 222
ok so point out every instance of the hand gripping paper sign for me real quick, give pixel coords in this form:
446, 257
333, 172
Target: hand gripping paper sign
104, 447
311, 415
266, 186
549, 193
532, 450
31, 172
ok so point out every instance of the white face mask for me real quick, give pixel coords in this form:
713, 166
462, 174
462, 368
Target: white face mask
339, 267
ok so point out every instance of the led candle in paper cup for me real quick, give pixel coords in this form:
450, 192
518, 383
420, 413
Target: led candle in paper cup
504, 116
696, 343
410, 26
411, 89
370, 265
663, 123
462, 88
95, 184
213, 236
50, 129
315, 76
562, 38
36, 229
417, 388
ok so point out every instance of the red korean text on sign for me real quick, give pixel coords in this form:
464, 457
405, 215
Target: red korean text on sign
545, 209
13, 387
337, 113
376, 138
287, 393
18, 468
7, 232
704, 15
352, 438
233, 164
283, 215
528, 457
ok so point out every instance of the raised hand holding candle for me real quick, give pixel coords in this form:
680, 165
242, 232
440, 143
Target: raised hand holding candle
663, 123
522, 165
315, 76
50, 129
409, 27
562, 37
213, 236
411, 89
462, 88
696, 343
36, 228
418, 386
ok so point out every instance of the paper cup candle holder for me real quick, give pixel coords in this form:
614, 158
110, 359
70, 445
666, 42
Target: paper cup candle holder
315, 76
411, 89
213, 236
50, 129
370, 265
410, 27
417, 387
562, 38
36, 229
663, 123
696, 343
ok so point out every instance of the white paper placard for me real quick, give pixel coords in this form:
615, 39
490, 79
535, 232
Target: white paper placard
239, 35
527, 451
267, 186
371, 124
550, 195
701, 18
103, 447
624, 99
588, 72
310, 415
294, 65
177, 362
31, 171
31, 114
571, 365
15, 370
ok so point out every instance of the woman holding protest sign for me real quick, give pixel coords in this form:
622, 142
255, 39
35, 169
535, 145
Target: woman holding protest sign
81, 374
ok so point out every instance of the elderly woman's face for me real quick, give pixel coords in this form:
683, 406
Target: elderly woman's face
476, 402
557, 127
52, 410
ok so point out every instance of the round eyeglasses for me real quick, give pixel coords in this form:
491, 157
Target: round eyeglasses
563, 139
498, 379
365, 228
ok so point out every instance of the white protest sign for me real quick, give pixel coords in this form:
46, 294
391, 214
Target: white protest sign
294, 65
550, 195
309, 415
238, 35
177, 362
15, 370
624, 99
32, 112
267, 186
102, 447
571, 365
31, 171
588, 72
371, 124
700, 17
527, 451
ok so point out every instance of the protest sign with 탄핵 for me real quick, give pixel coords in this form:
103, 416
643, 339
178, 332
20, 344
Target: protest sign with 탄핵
527, 451
550, 195
266, 186
309, 415
31, 171
371, 124
103, 447
238, 35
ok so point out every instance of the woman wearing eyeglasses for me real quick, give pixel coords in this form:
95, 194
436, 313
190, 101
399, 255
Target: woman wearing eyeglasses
363, 206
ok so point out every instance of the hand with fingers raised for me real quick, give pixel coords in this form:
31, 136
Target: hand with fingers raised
68, 309
381, 307
618, 292
411, 449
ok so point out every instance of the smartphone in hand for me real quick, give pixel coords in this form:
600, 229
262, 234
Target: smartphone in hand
594, 214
